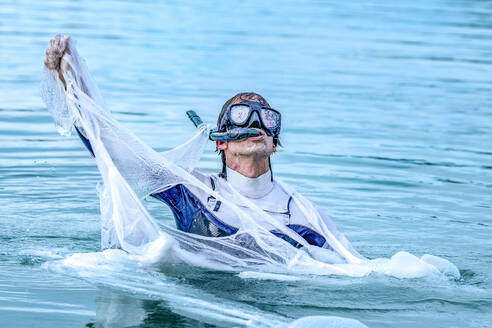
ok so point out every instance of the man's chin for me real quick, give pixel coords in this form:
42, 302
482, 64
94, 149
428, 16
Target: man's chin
259, 150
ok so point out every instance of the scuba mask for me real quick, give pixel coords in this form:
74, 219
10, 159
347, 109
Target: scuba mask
239, 119
251, 114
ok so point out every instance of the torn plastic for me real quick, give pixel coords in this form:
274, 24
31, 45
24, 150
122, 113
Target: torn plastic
131, 170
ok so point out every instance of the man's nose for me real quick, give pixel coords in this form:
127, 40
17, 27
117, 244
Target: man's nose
254, 121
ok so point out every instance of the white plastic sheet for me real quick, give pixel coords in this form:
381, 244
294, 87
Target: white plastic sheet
131, 170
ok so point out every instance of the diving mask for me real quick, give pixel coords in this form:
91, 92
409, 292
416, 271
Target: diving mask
240, 119
251, 114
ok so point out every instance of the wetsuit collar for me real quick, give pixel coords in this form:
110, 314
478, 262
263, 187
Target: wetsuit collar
251, 187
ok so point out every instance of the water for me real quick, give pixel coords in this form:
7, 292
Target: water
387, 124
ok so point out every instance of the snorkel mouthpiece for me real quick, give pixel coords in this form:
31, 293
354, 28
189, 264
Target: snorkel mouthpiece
231, 135
234, 134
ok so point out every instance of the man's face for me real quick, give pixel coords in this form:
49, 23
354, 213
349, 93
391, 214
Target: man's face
259, 147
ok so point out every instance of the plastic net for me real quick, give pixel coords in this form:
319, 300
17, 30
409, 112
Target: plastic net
131, 170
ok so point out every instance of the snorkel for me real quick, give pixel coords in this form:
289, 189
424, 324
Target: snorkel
230, 135
242, 117
242, 120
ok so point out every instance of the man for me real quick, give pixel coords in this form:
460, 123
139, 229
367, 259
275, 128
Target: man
246, 179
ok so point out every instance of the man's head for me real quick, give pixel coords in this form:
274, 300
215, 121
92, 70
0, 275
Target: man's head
256, 149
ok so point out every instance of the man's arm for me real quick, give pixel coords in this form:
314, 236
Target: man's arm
115, 147
54, 61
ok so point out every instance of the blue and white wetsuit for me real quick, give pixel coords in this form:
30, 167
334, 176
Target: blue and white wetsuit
198, 213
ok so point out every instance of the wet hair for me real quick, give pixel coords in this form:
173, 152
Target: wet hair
240, 97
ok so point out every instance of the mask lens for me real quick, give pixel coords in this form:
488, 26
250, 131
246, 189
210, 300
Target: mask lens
270, 118
239, 114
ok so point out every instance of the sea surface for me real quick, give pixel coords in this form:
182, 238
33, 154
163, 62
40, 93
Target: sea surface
387, 124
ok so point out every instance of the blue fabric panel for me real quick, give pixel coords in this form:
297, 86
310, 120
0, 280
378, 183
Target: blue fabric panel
186, 208
311, 236
286, 238
86, 141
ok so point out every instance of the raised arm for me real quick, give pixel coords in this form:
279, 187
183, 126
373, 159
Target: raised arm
55, 61
130, 169
78, 103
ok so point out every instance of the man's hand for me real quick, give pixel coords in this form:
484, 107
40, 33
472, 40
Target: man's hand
54, 54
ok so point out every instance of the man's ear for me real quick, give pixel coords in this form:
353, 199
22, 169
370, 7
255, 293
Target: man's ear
221, 145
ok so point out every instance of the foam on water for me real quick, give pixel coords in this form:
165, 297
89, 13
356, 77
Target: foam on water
442, 265
406, 265
137, 275
118, 270
126, 273
401, 265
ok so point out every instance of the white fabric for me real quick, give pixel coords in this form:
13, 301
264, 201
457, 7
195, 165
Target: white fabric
131, 170
251, 187
269, 196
